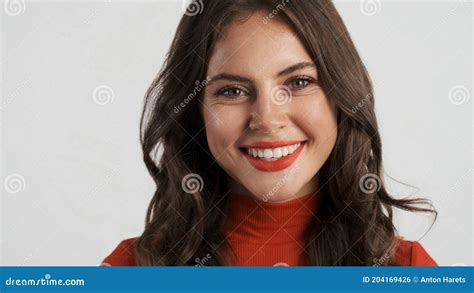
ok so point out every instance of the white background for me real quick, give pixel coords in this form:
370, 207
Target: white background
73, 181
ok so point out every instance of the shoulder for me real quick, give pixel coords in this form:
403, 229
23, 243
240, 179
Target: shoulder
122, 255
412, 253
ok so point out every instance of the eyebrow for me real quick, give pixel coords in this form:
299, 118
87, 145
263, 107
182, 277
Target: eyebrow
238, 78
295, 67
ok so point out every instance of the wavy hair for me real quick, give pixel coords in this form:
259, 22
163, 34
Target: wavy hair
182, 227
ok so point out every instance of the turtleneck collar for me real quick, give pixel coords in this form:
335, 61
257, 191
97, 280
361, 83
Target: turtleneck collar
257, 221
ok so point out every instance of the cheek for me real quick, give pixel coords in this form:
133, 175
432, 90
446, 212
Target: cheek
224, 126
317, 118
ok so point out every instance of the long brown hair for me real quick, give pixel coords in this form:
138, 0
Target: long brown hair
182, 227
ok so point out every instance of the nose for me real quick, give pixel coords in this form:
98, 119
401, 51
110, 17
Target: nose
268, 116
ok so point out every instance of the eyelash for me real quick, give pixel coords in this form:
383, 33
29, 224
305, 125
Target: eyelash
309, 80
221, 92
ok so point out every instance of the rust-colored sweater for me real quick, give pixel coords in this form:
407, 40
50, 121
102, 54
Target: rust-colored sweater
272, 234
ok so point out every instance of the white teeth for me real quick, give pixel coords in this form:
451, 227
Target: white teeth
267, 153
273, 154
277, 153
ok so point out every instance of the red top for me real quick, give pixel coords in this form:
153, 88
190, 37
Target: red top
271, 234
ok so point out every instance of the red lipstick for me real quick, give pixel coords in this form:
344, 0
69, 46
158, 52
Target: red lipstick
277, 165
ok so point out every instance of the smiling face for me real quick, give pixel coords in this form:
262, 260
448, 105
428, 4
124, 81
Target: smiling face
268, 123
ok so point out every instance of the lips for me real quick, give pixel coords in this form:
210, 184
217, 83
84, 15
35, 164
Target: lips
273, 155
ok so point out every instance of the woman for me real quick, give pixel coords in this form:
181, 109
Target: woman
271, 153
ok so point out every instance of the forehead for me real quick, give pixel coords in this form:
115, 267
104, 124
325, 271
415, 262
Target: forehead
254, 48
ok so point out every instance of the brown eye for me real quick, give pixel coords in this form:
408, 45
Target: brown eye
231, 92
299, 83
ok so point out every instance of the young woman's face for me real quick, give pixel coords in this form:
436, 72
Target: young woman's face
263, 98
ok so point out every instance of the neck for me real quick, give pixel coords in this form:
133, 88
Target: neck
261, 221
269, 233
